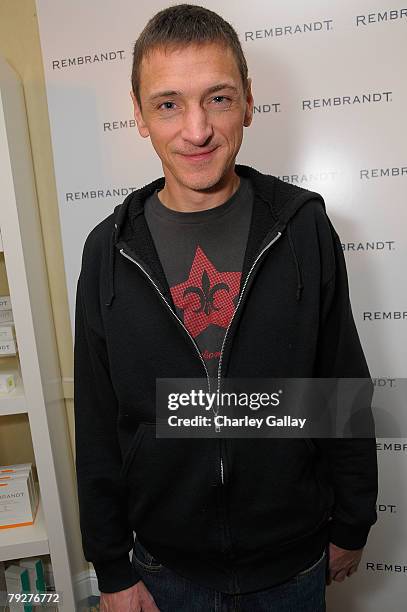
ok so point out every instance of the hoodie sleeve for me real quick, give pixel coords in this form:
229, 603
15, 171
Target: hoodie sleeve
107, 537
351, 462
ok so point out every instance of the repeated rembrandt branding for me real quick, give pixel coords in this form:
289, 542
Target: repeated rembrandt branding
308, 178
92, 58
373, 173
390, 383
273, 107
385, 315
388, 567
324, 25
120, 124
98, 194
381, 16
391, 447
376, 97
11, 495
386, 508
363, 247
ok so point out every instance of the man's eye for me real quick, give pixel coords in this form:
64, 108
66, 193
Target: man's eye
220, 99
166, 106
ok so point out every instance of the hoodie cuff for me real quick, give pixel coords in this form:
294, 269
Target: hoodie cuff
116, 574
348, 536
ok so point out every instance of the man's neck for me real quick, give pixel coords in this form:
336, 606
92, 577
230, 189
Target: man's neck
177, 197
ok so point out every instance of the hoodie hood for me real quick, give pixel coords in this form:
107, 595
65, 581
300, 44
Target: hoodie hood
275, 204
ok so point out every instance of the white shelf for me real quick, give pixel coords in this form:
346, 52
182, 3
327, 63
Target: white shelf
39, 391
19, 542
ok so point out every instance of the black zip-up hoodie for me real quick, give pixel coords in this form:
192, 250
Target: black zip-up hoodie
233, 514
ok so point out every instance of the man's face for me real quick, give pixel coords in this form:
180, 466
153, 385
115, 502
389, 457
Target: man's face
193, 107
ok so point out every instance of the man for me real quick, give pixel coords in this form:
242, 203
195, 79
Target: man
213, 270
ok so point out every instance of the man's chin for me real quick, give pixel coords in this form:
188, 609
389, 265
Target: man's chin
199, 180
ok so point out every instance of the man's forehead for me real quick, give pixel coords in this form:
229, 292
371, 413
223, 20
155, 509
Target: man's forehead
171, 69
183, 50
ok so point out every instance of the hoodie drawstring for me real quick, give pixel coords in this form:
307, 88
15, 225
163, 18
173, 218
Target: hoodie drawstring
110, 280
300, 285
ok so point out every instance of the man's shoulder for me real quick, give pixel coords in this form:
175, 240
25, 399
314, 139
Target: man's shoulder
294, 191
305, 208
277, 189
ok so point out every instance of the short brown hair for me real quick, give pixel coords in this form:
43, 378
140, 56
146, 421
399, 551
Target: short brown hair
181, 25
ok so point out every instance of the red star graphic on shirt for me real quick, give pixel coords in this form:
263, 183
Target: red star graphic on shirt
206, 297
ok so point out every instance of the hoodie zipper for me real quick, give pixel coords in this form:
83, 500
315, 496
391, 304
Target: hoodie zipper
183, 326
217, 428
272, 241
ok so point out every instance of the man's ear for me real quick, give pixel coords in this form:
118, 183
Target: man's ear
248, 115
142, 128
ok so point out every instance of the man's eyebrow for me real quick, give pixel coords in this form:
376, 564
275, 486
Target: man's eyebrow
169, 93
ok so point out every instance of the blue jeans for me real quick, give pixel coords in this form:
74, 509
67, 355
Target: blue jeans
305, 592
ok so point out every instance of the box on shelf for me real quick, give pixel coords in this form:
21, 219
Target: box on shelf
5, 302
8, 347
7, 331
6, 316
48, 574
8, 382
35, 572
10, 376
18, 581
8, 471
6, 312
18, 496
18, 468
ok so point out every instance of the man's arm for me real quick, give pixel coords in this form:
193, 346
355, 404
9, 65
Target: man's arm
352, 462
107, 537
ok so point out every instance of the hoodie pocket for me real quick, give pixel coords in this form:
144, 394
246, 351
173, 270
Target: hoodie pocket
144, 559
170, 492
315, 566
280, 484
134, 447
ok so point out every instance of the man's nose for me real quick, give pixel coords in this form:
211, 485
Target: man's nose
196, 128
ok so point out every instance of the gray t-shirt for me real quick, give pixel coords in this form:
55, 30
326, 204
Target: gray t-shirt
202, 257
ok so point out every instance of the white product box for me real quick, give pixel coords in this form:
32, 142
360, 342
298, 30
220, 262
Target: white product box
7, 382
5, 302
18, 581
8, 347
36, 573
48, 574
32, 489
9, 471
6, 316
7, 331
16, 467
16, 502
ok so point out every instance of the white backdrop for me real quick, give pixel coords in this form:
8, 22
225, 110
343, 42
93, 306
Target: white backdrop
330, 89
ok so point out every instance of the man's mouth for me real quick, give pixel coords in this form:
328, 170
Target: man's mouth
199, 156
